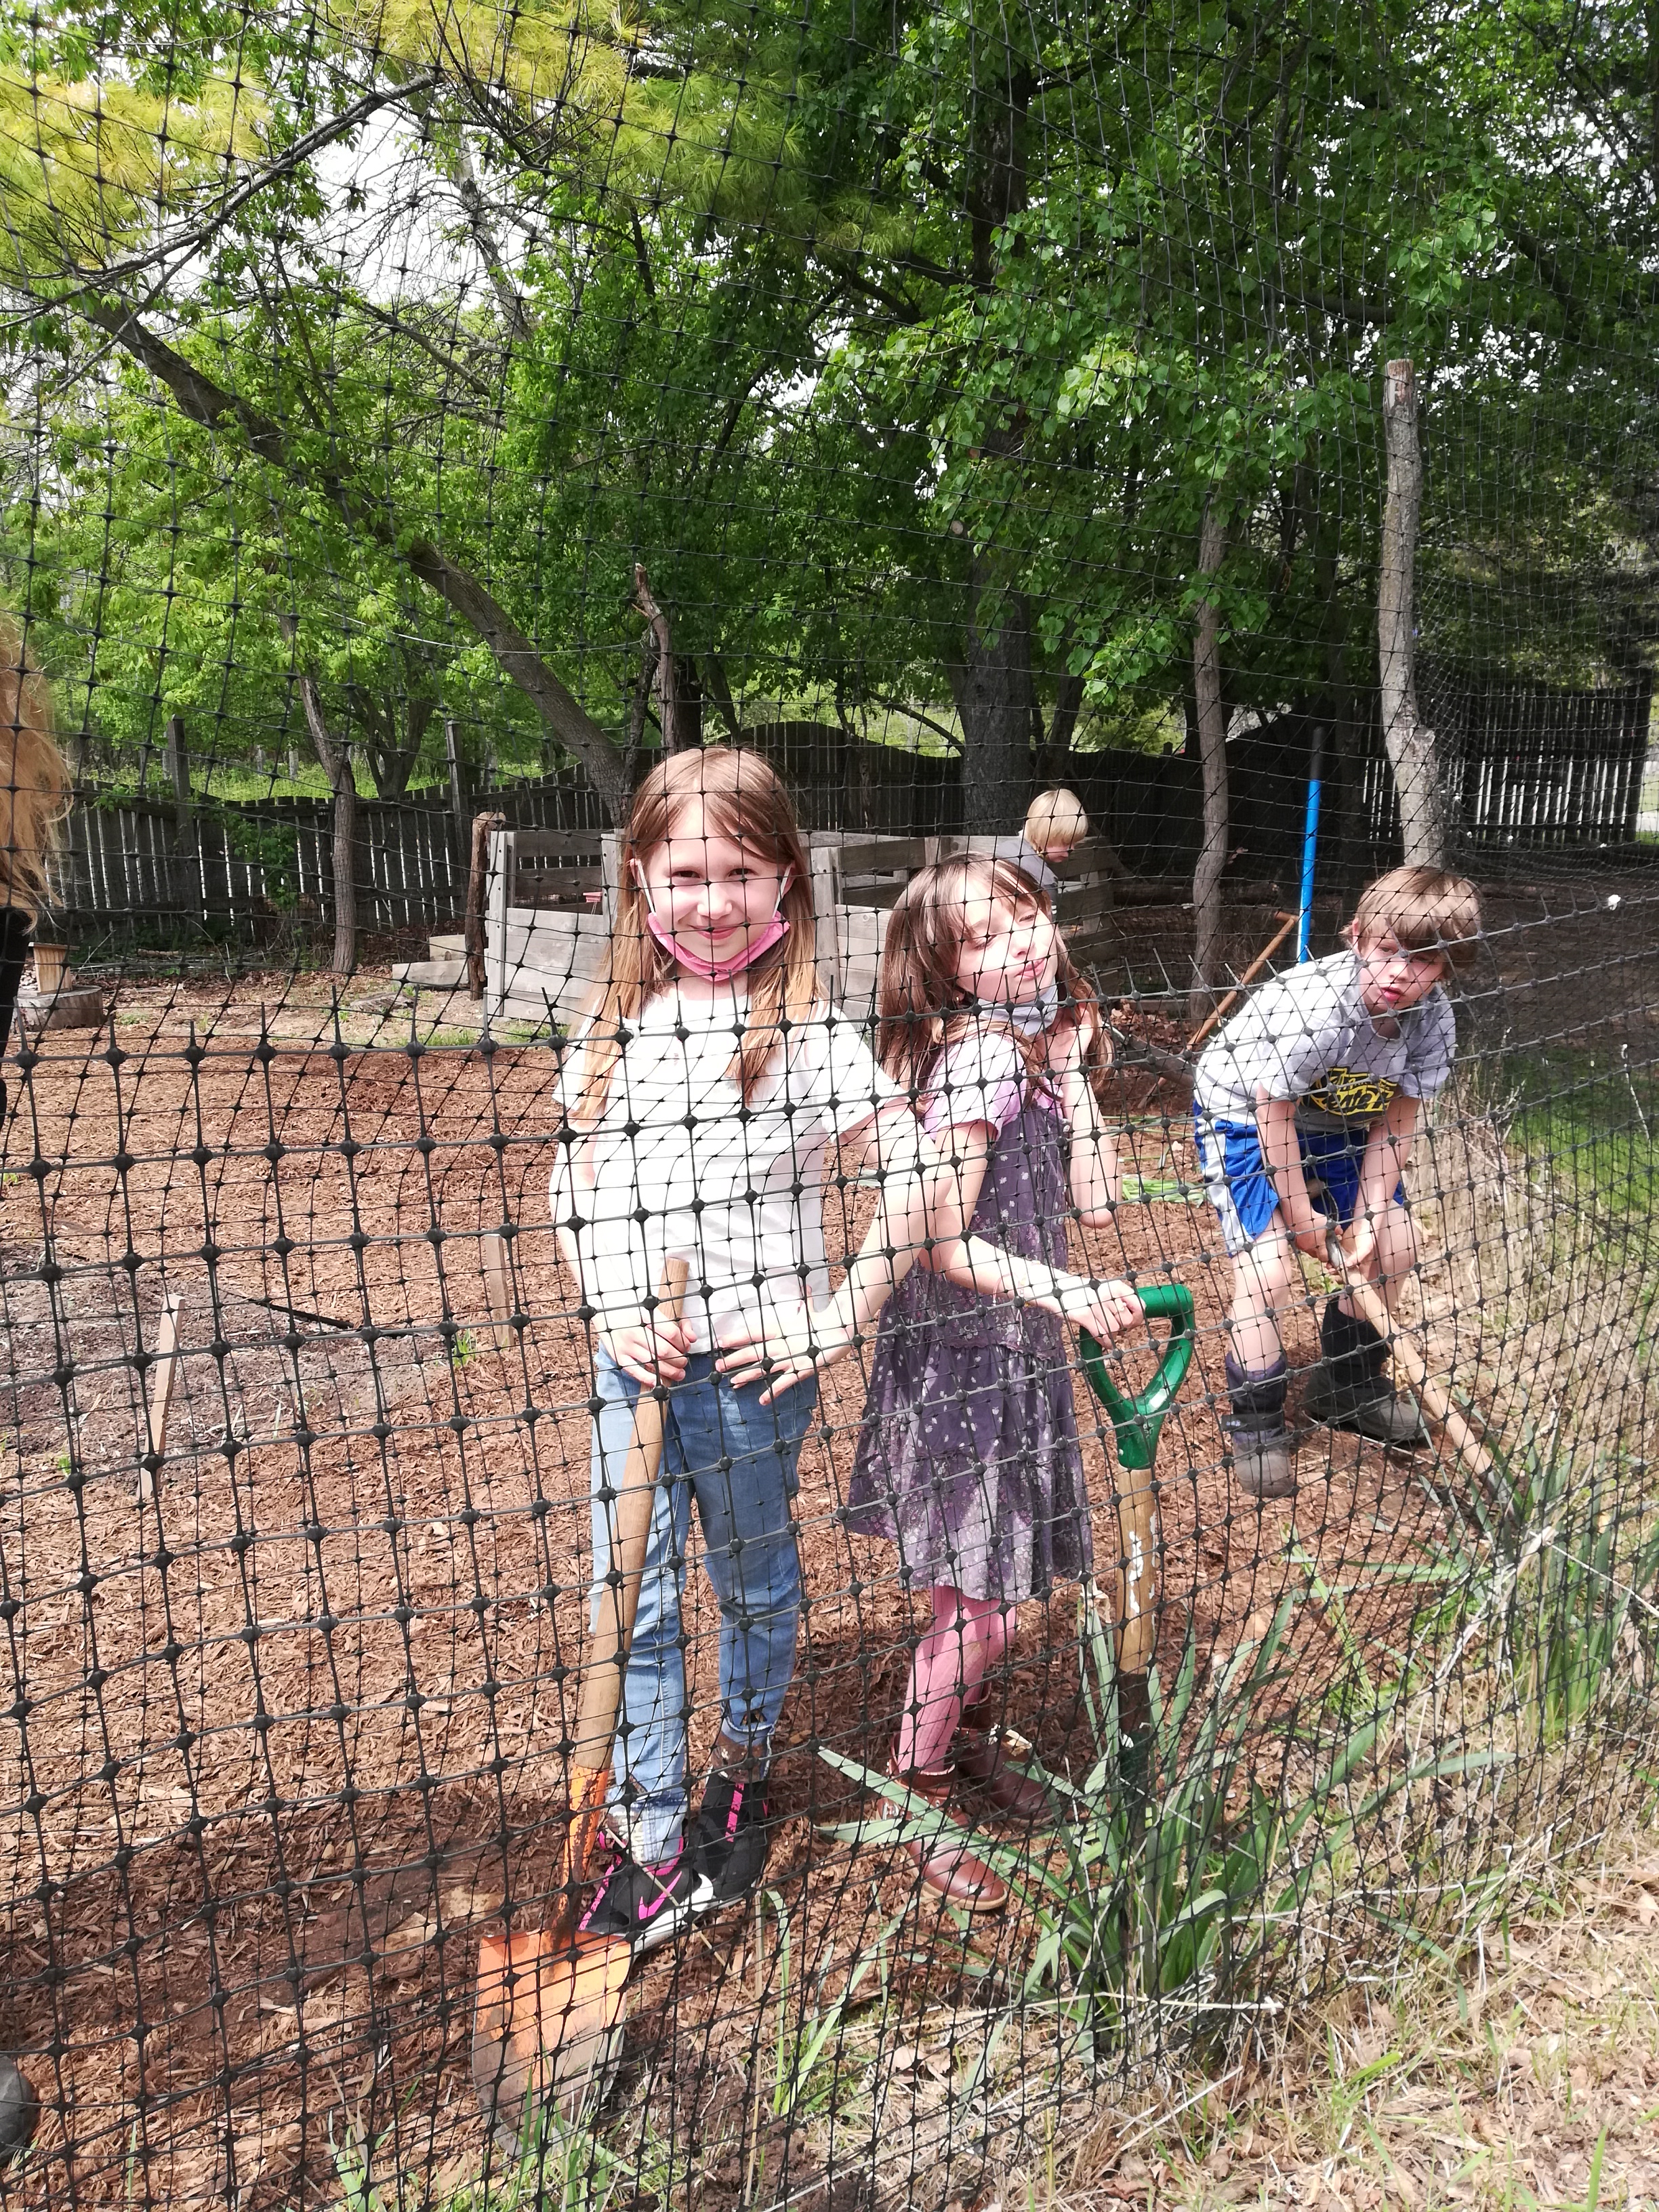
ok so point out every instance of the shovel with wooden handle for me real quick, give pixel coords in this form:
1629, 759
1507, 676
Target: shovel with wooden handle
549, 2002
1136, 1422
1436, 1400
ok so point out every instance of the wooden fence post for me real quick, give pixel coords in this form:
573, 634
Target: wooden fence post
477, 886
826, 929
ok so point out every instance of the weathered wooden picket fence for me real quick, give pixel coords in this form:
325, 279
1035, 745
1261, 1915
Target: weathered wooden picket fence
1527, 766
135, 866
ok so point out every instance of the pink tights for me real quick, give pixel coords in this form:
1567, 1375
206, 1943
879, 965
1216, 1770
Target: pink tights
968, 1637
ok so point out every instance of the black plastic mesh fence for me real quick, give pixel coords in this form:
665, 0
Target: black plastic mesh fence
422, 424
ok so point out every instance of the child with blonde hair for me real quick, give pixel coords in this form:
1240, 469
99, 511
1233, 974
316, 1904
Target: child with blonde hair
1306, 1105
1055, 824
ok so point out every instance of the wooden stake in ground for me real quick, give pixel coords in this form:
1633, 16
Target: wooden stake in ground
161, 1380
477, 893
1221, 1012
498, 1283
1410, 743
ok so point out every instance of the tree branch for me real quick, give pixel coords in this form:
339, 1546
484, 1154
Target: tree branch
191, 238
476, 211
208, 403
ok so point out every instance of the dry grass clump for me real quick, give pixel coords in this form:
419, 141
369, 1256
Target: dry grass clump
1522, 2073
1537, 1300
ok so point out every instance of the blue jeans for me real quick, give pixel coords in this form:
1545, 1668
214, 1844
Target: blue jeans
739, 1459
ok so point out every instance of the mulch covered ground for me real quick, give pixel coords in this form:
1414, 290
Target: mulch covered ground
284, 1737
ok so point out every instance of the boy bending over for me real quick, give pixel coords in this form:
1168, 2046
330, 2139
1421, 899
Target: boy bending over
1305, 1106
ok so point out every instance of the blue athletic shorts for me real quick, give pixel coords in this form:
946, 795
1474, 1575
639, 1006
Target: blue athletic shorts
1242, 1191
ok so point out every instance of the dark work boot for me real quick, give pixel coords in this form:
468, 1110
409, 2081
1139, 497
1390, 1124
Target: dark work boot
1260, 1441
731, 1834
1350, 1388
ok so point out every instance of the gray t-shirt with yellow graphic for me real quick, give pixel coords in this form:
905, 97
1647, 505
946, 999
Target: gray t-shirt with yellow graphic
1306, 1035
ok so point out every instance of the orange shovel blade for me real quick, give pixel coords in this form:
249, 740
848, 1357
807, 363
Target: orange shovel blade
546, 2024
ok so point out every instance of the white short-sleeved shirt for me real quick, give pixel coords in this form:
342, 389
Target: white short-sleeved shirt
1307, 1035
679, 1167
981, 1079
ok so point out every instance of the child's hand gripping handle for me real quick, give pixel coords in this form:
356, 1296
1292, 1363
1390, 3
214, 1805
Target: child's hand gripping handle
1137, 1420
632, 1493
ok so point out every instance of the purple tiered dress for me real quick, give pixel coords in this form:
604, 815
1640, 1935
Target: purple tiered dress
968, 1460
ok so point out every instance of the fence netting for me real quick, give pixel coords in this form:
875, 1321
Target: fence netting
631, 1294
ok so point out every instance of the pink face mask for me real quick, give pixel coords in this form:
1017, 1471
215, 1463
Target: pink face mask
716, 972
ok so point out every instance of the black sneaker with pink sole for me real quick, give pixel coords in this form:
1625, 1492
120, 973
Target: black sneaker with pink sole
647, 1905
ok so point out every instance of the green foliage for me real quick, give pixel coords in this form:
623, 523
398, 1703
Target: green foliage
1174, 1886
859, 335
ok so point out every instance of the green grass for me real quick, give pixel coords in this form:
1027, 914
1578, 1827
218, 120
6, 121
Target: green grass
1589, 1120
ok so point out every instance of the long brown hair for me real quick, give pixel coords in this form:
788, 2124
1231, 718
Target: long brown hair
919, 1001
34, 781
742, 799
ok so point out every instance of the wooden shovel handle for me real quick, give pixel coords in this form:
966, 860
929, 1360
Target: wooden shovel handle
1437, 1403
630, 1518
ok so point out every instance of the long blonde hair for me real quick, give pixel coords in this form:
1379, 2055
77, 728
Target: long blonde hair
742, 798
35, 781
919, 1002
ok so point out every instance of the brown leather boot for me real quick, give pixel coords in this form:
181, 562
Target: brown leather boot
984, 1757
947, 1863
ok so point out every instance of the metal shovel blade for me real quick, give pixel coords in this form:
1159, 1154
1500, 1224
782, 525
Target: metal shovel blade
547, 2027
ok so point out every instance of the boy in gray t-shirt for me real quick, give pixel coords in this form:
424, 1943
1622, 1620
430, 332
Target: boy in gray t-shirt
1305, 1107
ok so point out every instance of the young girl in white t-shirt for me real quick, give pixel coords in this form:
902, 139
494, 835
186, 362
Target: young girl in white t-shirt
709, 1080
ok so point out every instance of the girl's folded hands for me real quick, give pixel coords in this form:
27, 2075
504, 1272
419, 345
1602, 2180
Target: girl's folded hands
653, 1353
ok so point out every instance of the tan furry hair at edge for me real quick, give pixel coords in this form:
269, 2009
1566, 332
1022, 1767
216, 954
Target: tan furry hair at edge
34, 779
919, 1004
743, 797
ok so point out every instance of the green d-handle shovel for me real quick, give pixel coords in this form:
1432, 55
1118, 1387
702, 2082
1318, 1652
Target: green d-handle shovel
1137, 1421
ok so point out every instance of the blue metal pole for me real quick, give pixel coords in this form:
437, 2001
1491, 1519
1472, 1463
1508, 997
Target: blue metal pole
1310, 842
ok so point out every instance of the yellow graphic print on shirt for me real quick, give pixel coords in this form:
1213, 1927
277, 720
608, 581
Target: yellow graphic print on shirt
1352, 1094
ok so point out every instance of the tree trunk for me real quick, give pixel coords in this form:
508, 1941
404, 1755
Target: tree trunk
995, 699
996, 696
335, 761
1411, 744
639, 706
177, 761
667, 672
1062, 727
1213, 755
345, 866
718, 686
688, 704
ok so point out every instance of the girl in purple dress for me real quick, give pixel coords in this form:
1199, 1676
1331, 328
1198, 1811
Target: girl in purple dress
968, 1460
